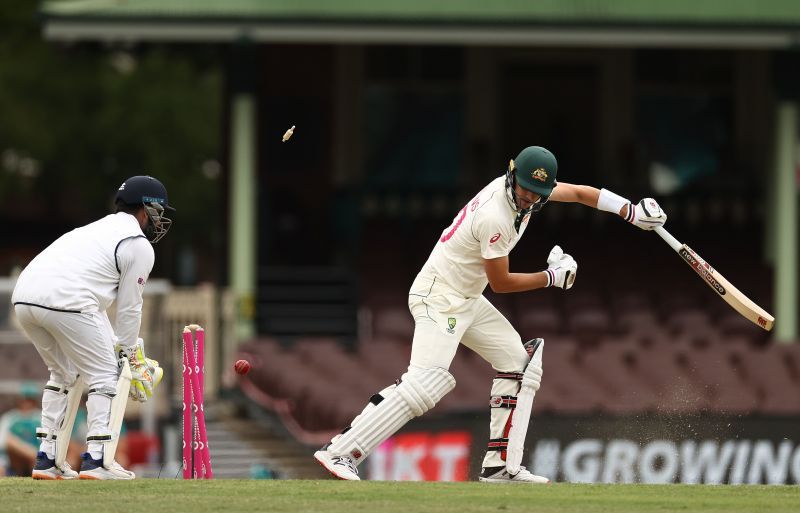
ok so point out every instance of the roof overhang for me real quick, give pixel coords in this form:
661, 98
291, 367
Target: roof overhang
130, 31
591, 23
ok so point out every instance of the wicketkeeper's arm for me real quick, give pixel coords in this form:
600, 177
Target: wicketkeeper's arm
135, 259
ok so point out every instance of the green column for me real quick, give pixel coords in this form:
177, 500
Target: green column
242, 229
785, 219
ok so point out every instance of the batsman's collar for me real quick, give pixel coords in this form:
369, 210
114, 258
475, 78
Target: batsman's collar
535, 169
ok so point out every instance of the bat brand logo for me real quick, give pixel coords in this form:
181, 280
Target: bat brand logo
702, 268
539, 174
762, 322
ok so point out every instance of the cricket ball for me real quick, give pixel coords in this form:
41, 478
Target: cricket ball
241, 367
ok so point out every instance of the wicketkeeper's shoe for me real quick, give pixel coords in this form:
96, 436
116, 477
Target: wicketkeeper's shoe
501, 475
340, 466
45, 468
94, 469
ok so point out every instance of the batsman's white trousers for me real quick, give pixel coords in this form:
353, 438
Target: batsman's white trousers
444, 319
73, 344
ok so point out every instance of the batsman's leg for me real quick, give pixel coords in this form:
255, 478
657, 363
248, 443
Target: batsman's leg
531, 380
496, 341
502, 403
426, 382
374, 401
418, 392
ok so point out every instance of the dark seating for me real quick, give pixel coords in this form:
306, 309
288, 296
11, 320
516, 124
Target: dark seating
589, 324
393, 322
541, 322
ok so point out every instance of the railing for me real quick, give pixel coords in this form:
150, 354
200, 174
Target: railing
206, 305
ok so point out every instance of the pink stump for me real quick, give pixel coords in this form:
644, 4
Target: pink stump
195, 438
187, 407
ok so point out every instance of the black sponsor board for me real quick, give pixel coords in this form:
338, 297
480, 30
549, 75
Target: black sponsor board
677, 448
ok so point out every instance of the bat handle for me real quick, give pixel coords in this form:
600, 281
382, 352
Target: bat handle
668, 238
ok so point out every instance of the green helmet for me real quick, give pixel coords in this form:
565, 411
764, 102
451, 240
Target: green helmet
535, 170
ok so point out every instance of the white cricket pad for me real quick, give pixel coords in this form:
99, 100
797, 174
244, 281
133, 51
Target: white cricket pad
118, 405
522, 414
417, 393
63, 430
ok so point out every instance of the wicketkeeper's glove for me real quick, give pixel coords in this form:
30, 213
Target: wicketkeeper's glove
561, 269
146, 374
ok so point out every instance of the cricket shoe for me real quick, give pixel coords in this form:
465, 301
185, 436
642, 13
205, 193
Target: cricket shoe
340, 466
501, 475
94, 469
45, 468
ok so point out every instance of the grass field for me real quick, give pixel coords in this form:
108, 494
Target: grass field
230, 496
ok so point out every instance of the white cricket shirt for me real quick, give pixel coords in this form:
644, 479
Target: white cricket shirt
483, 229
87, 269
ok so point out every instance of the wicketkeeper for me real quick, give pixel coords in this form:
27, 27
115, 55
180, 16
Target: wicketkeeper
61, 299
448, 307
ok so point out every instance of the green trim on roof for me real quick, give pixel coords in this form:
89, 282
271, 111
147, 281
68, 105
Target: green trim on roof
624, 12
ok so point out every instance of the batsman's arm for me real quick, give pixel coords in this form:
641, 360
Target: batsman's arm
571, 193
503, 281
647, 214
583, 194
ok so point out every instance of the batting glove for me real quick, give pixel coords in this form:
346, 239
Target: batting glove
561, 269
646, 214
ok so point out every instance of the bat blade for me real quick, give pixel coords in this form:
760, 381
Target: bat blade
725, 289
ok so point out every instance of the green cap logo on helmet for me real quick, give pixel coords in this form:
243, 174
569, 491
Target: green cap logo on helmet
535, 170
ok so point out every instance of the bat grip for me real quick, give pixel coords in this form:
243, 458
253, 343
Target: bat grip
668, 238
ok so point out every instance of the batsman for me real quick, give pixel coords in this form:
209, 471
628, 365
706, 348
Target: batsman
449, 309
61, 299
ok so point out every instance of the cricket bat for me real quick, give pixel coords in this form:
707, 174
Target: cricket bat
719, 284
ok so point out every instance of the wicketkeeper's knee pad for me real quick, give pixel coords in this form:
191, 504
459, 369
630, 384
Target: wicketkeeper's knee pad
418, 392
